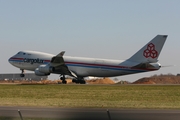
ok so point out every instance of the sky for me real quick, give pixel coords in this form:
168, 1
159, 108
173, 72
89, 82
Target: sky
90, 28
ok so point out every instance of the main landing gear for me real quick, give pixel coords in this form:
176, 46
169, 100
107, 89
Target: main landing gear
22, 73
63, 79
79, 80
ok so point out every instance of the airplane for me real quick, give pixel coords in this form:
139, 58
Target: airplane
145, 60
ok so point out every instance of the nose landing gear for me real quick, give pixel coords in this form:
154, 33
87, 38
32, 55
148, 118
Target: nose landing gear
22, 73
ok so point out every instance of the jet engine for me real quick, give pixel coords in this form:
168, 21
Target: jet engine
38, 73
44, 70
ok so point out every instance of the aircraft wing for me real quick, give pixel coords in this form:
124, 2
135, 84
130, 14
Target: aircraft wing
60, 67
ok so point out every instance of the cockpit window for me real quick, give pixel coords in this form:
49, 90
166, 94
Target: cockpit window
22, 53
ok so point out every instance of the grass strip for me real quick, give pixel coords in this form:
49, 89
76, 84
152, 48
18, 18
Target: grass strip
92, 96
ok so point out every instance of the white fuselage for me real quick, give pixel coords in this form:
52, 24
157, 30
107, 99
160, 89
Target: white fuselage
30, 60
41, 63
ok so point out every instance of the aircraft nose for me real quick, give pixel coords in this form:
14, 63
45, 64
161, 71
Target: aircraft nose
10, 60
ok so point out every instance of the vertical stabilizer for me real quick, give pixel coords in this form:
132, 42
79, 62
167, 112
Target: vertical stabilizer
151, 51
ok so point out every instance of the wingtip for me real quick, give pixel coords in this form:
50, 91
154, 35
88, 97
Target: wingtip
61, 53
165, 36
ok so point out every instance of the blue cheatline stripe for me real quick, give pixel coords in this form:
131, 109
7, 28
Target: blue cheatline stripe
16, 60
107, 68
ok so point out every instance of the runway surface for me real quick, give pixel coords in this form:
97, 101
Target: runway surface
90, 113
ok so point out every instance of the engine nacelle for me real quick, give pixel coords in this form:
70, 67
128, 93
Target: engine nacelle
38, 73
46, 69
155, 66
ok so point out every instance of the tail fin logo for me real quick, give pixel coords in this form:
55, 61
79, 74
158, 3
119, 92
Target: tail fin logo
150, 51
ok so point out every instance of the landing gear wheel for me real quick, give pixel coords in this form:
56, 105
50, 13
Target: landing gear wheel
74, 80
82, 82
79, 81
63, 80
22, 73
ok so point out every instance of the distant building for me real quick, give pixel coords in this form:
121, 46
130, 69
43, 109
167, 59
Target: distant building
28, 76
